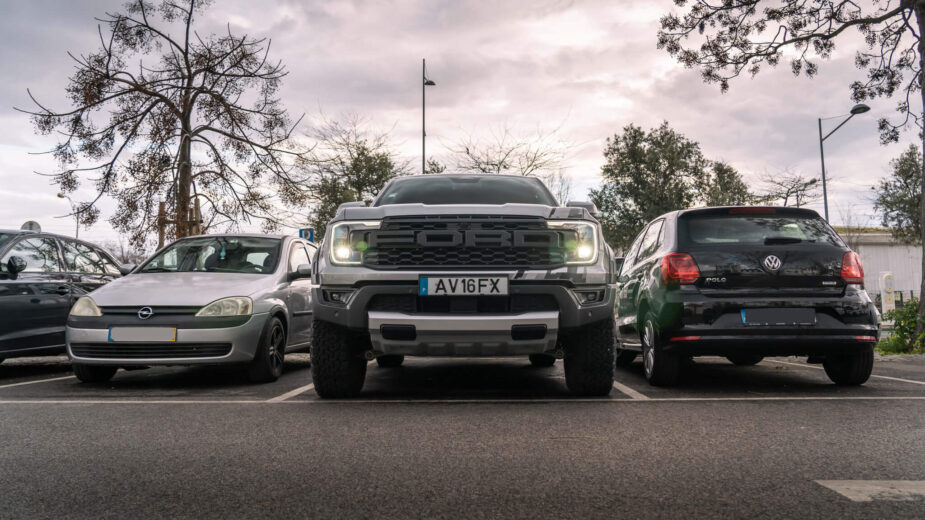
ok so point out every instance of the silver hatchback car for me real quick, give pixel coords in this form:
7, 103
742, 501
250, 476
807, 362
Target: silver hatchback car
213, 299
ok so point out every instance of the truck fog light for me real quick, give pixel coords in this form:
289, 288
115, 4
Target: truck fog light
593, 296
337, 296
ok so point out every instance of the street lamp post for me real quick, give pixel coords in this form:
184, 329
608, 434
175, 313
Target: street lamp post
855, 110
426, 83
75, 212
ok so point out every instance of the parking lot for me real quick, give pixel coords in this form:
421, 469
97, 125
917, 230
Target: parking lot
487, 437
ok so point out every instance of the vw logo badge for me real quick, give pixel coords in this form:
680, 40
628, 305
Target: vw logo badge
772, 263
145, 313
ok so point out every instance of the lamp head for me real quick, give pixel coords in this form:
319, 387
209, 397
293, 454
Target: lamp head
860, 108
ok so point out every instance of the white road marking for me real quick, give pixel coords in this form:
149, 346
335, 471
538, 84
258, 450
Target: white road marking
36, 382
870, 490
805, 365
628, 391
292, 393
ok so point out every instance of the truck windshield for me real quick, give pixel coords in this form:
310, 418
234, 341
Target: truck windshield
466, 189
217, 255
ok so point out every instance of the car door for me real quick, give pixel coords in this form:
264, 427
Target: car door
626, 302
299, 297
35, 302
638, 276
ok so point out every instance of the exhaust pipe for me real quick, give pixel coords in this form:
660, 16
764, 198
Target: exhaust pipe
369, 355
560, 353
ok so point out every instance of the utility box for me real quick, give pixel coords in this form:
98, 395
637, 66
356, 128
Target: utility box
887, 291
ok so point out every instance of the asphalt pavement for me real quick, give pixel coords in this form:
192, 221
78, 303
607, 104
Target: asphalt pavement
463, 438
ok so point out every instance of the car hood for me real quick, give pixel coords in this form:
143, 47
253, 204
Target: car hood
177, 289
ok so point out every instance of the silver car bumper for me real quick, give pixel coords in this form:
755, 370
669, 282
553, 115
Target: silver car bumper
193, 346
463, 335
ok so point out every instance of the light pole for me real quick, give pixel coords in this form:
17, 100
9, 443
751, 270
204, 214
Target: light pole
855, 110
75, 212
426, 83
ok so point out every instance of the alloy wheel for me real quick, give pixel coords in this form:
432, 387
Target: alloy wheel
648, 337
276, 348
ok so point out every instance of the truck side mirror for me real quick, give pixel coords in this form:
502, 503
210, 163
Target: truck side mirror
592, 209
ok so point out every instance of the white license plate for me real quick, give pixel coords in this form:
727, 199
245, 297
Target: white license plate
168, 334
462, 285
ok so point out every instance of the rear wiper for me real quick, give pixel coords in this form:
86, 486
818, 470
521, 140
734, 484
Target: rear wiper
782, 240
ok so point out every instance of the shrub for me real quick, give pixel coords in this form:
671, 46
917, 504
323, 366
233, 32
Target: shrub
903, 341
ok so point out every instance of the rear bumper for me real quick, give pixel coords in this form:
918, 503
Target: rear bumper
769, 344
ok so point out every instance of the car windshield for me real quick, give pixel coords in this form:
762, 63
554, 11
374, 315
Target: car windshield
466, 189
217, 255
753, 229
5, 237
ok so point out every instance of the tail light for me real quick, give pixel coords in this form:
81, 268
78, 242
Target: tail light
851, 269
679, 268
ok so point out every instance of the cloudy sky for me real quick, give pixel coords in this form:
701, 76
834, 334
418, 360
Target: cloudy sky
585, 67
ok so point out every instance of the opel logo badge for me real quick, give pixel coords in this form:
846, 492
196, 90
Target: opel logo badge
772, 263
145, 313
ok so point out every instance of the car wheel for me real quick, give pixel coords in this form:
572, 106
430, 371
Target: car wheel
744, 360
661, 368
267, 365
390, 360
850, 368
94, 373
338, 366
589, 359
625, 357
542, 360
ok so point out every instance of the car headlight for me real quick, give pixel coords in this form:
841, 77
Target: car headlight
584, 250
234, 306
85, 306
344, 250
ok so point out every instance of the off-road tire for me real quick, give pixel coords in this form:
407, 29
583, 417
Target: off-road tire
390, 360
625, 357
661, 368
267, 365
94, 373
589, 358
542, 360
850, 368
744, 360
338, 366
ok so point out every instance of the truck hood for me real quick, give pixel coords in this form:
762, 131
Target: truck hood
177, 289
401, 210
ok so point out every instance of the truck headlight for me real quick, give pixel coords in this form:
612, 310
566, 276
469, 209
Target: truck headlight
343, 250
234, 306
584, 250
85, 306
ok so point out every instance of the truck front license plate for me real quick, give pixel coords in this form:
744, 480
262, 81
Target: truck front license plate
462, 285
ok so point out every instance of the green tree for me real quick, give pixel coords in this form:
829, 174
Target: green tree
897, 197
650, 173
726, 38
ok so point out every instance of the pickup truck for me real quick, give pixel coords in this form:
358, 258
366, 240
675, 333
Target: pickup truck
464, 265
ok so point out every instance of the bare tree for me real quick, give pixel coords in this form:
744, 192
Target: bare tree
560, 184
124, 252
788, 188
505, 152
166, 114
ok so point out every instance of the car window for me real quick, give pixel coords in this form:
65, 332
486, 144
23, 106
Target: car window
81, 258
650, 240
298, 257
631, 255
752, 229
40, 254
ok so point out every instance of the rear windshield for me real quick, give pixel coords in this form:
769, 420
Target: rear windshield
217, 255
712, 229
475, 189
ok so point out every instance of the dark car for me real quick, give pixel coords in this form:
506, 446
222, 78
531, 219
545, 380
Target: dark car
744, 283
41, 275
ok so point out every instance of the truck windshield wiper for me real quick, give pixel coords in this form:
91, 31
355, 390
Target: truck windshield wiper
157, 270
781, 240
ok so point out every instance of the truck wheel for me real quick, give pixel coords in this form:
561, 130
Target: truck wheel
661, 368
589, 360
744, 360
267, 365
542, 360
338, 368
94, 373
390, 360
625, 357
850, 368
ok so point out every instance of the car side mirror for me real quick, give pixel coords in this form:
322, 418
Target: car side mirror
125, 269
15, 265
303, 271
592, 209
618, 265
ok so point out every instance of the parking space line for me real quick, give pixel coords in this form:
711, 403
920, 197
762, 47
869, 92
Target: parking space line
291, 393
628, 391
36, 382
901, 380
870, 490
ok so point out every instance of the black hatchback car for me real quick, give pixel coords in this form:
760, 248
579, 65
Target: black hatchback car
41, 276
744, 283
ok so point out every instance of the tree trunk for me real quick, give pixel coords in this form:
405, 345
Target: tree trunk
920, 18
184, 181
